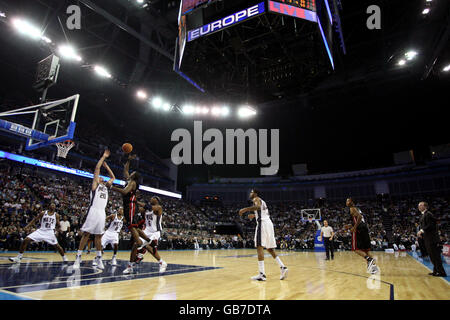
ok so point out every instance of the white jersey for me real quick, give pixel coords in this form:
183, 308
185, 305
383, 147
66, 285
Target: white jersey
263, 214
152, 222
99, 197
48, 222
115, 225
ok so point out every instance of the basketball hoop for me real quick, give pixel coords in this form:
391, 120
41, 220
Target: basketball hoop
310, 219
64, 148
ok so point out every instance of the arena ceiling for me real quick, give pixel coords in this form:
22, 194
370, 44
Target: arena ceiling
368, 92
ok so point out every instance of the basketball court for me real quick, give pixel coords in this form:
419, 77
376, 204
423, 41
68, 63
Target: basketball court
222, 275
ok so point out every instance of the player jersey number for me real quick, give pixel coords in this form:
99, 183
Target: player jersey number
48, 225
103, 195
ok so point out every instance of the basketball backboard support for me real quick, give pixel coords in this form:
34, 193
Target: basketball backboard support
43, 124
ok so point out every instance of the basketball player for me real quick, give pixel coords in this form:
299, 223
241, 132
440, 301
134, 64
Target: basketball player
360, 237
96, 216
111, 235
264, 235
153, 216
49, 220
129, 208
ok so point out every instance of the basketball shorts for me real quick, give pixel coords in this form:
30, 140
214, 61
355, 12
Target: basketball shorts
153, 236
265, 234
44, 235
361, 239
95, 221
133, 217
110, 237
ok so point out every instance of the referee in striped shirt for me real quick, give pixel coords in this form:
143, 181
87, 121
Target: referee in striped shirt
327, 234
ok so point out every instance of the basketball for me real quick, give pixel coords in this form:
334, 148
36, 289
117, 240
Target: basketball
127, 147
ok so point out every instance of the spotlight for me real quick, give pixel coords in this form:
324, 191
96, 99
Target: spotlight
166, 106
69, 52
401, 62
205, 110
198, 110
187, 109
46, 39
446, 69
215, 111
245, 112
157, 102
141, 94
410, 55
2, 14
140, 1
26, 28
101, 71
225, 111
426, 11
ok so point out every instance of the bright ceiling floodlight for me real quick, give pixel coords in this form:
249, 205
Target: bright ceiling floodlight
166, 106
2, 14
410, 55
215, 111
426, 11
157, 103
225, 111
140, 1
68, 52
446, 69
141, 94
401, 62
198, 110
187, 109
26, 28
46, 39
205, 110
101, 71
245, 112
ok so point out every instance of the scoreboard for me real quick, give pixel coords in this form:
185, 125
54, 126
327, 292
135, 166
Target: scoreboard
304, 4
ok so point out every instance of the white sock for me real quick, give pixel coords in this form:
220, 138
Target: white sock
114, 256
280, 262
79, 253
20, 255
261, 267
131, 264
99, 254
64, 258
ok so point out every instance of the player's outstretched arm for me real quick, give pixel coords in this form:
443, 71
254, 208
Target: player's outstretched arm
131, 186
98, 167
110, 174
32, 222
126, 167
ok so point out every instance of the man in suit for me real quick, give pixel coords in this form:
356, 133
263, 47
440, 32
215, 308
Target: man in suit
429, 232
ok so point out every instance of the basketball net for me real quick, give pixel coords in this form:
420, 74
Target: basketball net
64, 148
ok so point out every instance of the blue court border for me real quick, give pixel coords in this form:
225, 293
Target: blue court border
427, 263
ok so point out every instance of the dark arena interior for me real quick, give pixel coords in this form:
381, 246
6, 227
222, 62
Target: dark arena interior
255, 126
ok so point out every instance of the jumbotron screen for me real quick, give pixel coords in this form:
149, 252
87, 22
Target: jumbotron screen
189, 5
304, 4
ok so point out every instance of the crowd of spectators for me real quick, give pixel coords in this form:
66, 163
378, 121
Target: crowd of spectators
24, 192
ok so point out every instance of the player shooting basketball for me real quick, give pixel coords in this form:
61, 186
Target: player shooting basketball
129, 208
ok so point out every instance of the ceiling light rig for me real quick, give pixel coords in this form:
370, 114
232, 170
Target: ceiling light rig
69, 52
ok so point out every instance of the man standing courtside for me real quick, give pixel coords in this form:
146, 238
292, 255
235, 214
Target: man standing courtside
327, 234
429, 232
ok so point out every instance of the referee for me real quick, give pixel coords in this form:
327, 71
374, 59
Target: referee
327, 234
